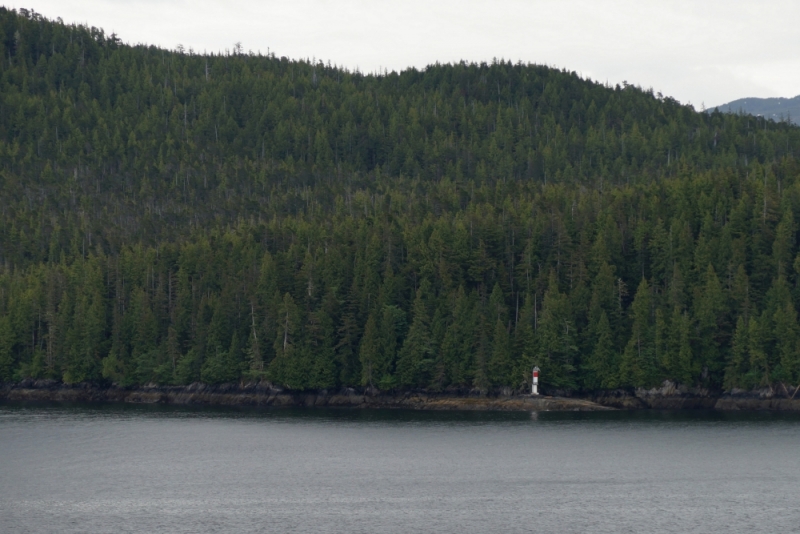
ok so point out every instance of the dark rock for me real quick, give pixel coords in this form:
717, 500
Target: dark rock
669, 396
46, 383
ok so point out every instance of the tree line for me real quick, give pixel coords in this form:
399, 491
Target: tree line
169, 217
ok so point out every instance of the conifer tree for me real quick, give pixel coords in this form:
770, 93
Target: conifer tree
760, 369
391, 330
144, 339
6, 347
369, 353
414, 360
637, 364
556, 346
660, 345
783, 244
737, 365
686, 363
499, 363
252, 351
323, 346
787, 343
709, 314
602, 362
524, 344
458, 344
286, 368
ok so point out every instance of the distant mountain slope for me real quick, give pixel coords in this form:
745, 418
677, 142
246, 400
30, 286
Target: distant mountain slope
774, 108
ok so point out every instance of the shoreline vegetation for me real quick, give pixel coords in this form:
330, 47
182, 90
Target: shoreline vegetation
264, 394
175, 218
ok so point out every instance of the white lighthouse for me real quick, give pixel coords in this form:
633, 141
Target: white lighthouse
535, 382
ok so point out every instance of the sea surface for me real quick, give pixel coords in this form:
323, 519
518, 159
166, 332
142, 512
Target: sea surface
118, 468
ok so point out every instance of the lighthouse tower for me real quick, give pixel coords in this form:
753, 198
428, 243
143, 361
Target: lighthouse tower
535, 382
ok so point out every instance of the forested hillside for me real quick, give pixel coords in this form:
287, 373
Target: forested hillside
168, 217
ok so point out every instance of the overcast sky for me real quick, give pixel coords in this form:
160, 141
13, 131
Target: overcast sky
704, 52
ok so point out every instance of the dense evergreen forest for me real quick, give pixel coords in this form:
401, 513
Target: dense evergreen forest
168, 217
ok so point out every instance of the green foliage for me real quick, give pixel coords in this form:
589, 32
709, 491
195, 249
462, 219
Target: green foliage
414, 362
637, 365
369, 353
556, 337
787, 343
168, 218
602, 365
6, 349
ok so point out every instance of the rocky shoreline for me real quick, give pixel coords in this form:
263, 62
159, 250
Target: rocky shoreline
668, 397
263, 394
674, 397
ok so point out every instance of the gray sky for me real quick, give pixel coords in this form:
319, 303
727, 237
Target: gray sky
706, 51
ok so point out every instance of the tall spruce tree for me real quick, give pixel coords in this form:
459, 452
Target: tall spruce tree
637, 366
414, 361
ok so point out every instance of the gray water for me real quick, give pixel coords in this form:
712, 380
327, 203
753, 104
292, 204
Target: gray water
155, 469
